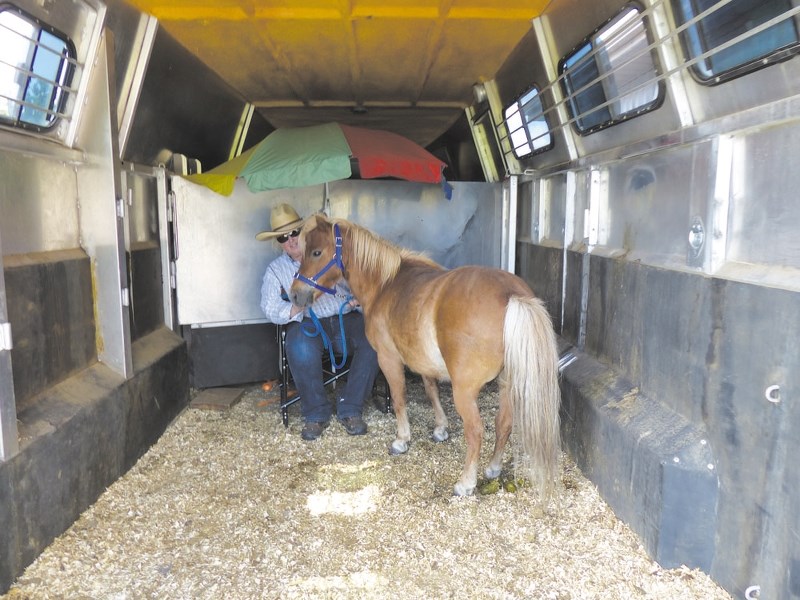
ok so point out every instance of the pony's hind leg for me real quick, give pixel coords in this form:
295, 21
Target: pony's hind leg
440, 433
502, 429
466, 402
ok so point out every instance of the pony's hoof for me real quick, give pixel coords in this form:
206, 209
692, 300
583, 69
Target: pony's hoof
440, 434
492, 472
398, 447
460, 489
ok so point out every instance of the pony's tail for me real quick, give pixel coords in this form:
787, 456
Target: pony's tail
531, 380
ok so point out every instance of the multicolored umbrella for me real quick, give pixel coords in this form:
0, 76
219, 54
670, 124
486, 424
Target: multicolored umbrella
301, 156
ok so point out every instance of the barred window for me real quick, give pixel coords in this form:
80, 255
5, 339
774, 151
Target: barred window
527, 126
612, 75
767, 35
36, 67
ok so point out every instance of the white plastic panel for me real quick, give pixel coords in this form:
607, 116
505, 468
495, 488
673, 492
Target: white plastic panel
220, 264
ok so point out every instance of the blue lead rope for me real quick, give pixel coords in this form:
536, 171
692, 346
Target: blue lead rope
336, 261
326, 342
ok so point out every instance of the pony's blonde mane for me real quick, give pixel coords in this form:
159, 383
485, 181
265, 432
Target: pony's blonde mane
374, 255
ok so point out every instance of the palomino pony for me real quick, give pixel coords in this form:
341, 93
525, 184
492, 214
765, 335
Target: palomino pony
446, 325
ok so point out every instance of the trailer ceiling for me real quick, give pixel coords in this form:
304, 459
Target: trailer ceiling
403, 65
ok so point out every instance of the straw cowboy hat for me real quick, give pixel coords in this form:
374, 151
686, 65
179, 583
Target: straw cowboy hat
282, 219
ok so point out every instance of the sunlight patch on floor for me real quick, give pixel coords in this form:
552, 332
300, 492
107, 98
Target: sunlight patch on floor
363, 580
344, 468
344, 503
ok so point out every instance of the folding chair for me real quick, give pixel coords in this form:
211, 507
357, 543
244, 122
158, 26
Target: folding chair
380, 391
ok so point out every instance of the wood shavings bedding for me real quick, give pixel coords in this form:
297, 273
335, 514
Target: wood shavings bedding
229, 504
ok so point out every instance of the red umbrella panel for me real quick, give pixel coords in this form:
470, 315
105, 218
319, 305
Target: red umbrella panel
386, 154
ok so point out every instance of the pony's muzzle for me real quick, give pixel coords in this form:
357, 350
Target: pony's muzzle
301, 295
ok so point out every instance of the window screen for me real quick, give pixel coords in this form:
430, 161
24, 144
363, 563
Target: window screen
36, 65
527, 126
611, 76
723, 24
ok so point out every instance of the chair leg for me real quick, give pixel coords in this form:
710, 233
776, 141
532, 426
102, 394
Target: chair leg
381, 392
286, 402
387, 401
283, 364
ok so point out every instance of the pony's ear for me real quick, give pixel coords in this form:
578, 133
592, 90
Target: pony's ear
312, 223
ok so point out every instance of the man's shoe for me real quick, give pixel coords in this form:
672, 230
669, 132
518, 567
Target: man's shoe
354, 425
312, 430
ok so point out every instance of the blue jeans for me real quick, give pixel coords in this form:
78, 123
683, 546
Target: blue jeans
305, 355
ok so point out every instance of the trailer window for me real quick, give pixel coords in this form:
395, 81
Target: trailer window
527, 126
36, 65
612, 75
760, 36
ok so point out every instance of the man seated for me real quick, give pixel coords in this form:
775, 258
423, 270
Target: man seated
304, 352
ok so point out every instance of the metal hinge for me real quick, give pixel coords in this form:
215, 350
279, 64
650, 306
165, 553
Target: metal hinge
6, 342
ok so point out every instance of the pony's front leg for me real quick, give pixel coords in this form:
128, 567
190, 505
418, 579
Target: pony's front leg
395, 375
440, 433
466, 402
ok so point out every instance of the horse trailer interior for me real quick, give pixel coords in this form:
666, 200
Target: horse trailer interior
632, 161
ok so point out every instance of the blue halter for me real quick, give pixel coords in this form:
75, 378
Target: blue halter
317, 326
335, 261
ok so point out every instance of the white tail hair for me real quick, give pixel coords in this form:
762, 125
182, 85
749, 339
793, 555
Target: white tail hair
531, 380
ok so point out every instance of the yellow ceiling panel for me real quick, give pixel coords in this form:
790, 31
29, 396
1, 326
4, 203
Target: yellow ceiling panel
340, 54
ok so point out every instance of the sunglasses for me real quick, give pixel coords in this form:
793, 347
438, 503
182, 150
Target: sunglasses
282, 239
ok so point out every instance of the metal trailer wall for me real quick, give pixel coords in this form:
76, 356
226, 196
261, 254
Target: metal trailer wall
219, 264
92, 371
667, 251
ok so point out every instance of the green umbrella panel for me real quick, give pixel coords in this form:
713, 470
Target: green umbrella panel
286, 158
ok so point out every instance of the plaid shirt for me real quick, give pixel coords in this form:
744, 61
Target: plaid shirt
276, 304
